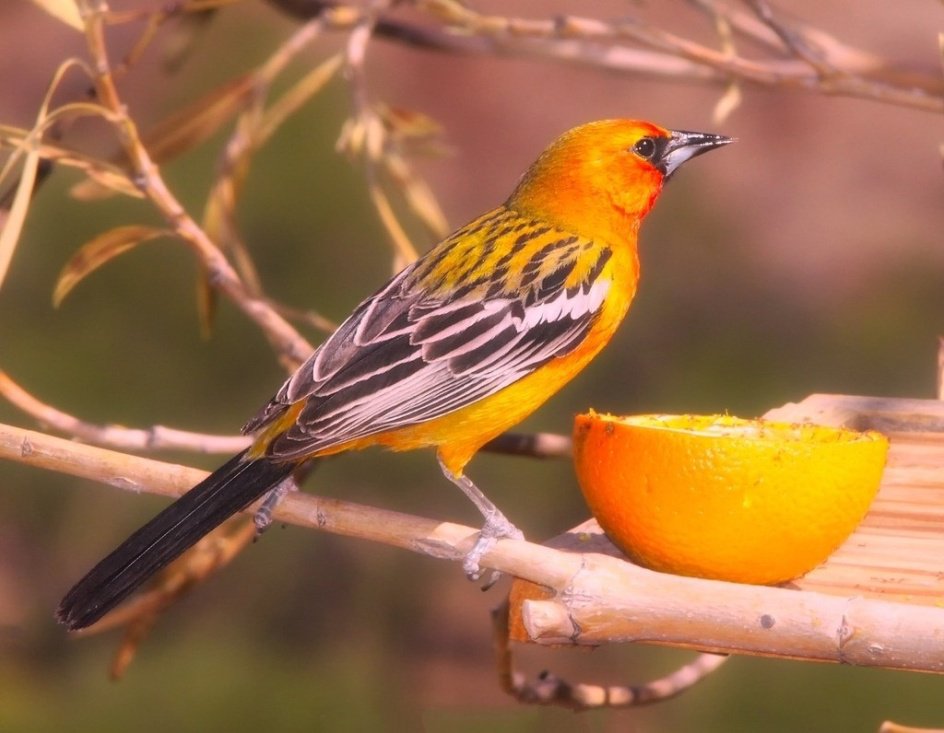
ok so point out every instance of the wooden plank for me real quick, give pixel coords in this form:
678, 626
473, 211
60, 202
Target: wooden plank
896, 556
897, 553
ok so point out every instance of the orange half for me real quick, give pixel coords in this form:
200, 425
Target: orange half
721, 497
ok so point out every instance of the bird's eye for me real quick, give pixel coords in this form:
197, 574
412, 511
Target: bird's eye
645, 148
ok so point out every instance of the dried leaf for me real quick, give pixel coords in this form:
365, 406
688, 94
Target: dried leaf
289, 103
207, 300
103, 181
185, 129
12, 221
408, 124
97, 252
197, 122
65, 10
253, 130
107, 173
219, 217
419, 196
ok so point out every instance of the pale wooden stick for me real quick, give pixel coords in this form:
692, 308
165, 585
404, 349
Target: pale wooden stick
598, 600
118, 436
160, 437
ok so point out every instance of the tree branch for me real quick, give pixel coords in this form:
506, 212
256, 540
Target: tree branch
156, 437
549, 689
160, 437
831, 69
595, 599
287, 342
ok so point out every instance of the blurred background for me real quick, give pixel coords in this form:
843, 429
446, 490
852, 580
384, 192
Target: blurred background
806, 258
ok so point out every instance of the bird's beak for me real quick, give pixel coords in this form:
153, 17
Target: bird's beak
685, 145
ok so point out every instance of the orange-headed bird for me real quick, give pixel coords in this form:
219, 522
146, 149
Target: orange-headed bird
458, 347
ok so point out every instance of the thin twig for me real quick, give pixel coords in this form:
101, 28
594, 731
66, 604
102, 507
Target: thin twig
549, 689
156, 437
102, 172
601, 44
794, 41
768, 72
307, 316
365, 137
160, 437
219, 218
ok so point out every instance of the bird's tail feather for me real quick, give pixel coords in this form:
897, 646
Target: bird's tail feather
226, 491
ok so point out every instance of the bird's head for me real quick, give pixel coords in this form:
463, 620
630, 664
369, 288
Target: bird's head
602, 177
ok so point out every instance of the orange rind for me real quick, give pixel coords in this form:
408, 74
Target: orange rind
721, 497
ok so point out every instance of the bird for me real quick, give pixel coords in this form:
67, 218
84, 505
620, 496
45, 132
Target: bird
461, 345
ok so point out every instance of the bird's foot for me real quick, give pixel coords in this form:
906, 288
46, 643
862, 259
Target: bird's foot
263, 516
496, 527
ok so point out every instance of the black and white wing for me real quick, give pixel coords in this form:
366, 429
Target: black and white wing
408, 355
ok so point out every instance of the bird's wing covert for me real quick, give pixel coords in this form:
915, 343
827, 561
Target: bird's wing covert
406, 355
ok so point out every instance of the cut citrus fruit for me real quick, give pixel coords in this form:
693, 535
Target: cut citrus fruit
721, 497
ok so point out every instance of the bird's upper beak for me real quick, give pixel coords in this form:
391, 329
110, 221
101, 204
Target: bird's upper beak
685, 145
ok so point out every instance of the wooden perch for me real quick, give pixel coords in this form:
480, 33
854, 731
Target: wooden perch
876, 602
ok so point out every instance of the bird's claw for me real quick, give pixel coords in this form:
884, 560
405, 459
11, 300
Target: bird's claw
496, 527
263, 516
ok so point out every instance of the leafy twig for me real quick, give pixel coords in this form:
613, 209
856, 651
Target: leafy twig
287, 342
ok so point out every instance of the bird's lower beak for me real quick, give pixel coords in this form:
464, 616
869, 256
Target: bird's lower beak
683, 146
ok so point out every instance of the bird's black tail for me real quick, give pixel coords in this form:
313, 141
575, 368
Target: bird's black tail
229, 489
